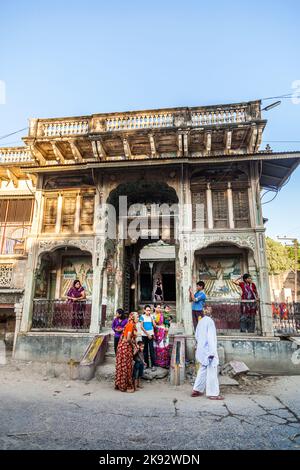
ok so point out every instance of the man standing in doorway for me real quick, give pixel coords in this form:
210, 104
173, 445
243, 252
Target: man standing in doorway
198, 300
207, 356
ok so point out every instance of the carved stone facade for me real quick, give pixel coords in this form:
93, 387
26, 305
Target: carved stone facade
183, 157
6, 275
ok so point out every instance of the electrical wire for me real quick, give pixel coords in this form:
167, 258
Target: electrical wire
283, 141
275, 195
284, 96
12, 133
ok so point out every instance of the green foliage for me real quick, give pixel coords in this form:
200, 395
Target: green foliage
280, 259
291, 254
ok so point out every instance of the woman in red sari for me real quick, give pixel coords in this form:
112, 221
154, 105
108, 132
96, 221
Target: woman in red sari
124, 359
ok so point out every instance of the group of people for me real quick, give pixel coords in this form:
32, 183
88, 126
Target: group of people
140, 341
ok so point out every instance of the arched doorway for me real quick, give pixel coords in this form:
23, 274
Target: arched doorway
150, 221
57, 271
218, 265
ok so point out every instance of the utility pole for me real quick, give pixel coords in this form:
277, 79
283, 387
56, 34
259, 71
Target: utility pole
296, 248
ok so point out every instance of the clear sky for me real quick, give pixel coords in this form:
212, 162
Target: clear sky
64, 58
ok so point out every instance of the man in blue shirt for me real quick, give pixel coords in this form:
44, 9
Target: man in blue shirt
198, 300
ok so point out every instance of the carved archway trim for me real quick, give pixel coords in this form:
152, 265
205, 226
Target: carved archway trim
242, 241
52, 245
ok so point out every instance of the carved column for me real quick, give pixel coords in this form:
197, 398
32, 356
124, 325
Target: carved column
230, 206
98, 268
18, 313
77, 214
210, 219
264, 293
59, 213
32, 247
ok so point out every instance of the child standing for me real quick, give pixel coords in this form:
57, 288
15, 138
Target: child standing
138, 368
118, 326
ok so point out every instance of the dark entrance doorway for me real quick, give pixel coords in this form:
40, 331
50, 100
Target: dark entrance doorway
169, 285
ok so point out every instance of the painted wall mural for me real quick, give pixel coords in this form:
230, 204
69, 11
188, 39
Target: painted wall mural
218, 273
76, 267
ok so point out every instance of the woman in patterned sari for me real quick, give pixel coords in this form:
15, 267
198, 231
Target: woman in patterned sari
161, 340
124, 359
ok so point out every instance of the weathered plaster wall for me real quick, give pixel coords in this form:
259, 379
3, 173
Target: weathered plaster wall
51, 347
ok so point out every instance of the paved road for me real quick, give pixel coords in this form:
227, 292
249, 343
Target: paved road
41, 413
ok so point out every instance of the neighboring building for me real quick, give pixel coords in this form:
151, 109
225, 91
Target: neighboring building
282, 286
186, 156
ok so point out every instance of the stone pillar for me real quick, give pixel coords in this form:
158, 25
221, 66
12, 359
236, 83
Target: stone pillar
119, 279
18, 312
230, 206
186, 256
29, 287
98, 267
264, 292
77, 214
32, 247
59, 213
210, 219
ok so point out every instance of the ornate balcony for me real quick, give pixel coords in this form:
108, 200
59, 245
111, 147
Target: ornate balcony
55, 315
235, 316
15, 155
160, 133
148, 119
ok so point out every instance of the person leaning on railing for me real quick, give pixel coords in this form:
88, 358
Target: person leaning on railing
76, 296
250, 299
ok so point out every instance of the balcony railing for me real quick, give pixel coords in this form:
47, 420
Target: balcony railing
286, 318
148, 119
235, 316
56, 315
15, 155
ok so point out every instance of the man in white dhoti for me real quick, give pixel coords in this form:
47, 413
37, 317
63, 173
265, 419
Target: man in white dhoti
207, 355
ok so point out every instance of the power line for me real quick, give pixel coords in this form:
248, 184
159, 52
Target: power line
12, 133
283, 141
285, 96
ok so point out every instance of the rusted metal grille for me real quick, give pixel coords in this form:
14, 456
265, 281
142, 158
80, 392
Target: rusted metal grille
61, 315
235, 316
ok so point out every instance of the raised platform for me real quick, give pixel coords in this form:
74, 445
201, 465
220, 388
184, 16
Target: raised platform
267, 355
52, 346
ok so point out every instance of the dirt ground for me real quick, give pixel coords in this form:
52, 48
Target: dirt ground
40, 410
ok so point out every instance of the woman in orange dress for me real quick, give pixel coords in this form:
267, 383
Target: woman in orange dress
124, 358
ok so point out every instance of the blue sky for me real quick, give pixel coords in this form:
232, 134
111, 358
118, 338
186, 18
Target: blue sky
74, 57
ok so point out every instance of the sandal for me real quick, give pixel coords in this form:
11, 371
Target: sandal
130, 390
195, 393
219, 397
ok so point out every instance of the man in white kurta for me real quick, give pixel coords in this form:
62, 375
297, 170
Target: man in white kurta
207, 355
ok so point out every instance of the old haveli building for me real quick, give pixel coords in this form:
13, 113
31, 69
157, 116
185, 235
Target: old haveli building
53, 216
